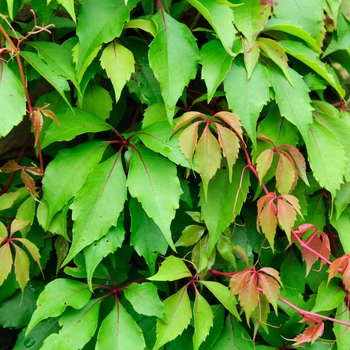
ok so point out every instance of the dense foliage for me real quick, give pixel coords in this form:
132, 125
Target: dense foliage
174, 174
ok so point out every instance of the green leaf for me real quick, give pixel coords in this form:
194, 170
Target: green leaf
146, 236
68, 5
16, 311
341, 331
6, 262
203, 320
73, 122
216, 62
98, 204
178, 315
308, 15
311, 59
144, 24
66, 174
118, 62
190, 235
56, 80
3, 231
78, 326
341, 224
285, 175
21, 267
146, 182
284, 26
233, 336
220, 16
32, 249
172, 269
100, 23
327, 157
222, 293
173, 50
224, 201
8, 199
26, 212
329, 296
208, 157
246, 97
251, 18
95, 252
57, 295
144, 299
119, 331
293, 101
342, 198
13, 105
58, 58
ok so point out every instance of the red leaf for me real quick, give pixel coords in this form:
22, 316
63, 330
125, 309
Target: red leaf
50, 114
37, 122
346, 276
29, 183
310, 334
10, 167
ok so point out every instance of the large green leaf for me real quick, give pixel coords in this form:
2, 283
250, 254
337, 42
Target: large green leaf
327, 157
66, 174
246, 97
118, 62
146, 236
58, 58
56, 296
55, 79
144, 299
68, 5
311, 59
178, 314
78, 326
220, 17
293, 101
159, 198
329, 296
73, 122
13, 101
98, 23
173, 50
224, 201
341, 331
216, 63
97, 204
203, 320
95, 252
309, 15
119, 331
251, 18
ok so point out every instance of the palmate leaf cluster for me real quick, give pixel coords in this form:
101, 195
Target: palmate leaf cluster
174, 174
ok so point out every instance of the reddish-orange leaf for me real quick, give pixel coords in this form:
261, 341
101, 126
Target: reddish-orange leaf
50, 114
346, 276
186, 118
264, 200
262, 137
307, 318
232, 120
310, 334
10, 167
268, 222
319, 245
293, 201
32, 170
285, 175
336, 264
208, 157
239, 279
263, 162
286, 216
272, 272
29, 183
37, 122
270, 288
249, 296
302, 229
230, 146
188, 141
21, 267
6, 262
299, 161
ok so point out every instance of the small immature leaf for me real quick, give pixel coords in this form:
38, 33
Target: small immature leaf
263, 162
178, 315
268, 221
21, 267
208, 157
56, 296
119, 331
285, 175
172, 50
144, 299
310, 334
118, 61
6, 262
203, 320
172, 269
13, 101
